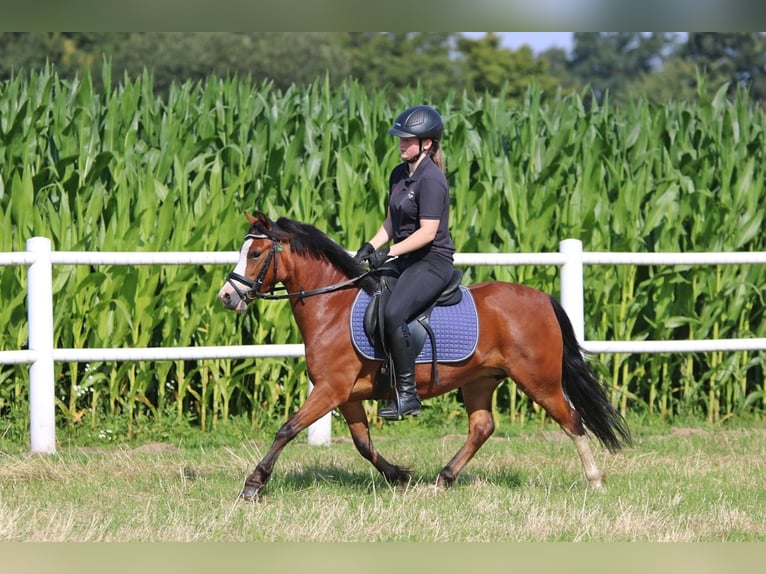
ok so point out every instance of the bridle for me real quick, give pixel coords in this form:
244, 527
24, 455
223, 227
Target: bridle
253, 291
254, 287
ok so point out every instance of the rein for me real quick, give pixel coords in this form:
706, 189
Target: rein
254, 287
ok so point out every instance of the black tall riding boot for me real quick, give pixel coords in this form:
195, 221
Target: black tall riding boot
404, 350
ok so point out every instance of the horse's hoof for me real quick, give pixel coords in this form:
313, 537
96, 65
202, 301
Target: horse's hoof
597, 482
404, 479
445, 480
438, 488
250, 493
398, 477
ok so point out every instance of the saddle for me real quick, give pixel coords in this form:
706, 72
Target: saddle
419, 328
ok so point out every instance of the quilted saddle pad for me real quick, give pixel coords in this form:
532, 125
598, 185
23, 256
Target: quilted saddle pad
456, 330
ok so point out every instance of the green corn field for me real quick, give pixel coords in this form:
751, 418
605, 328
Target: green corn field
124, 170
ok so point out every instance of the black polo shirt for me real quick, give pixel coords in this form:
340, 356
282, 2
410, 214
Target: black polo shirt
422, 195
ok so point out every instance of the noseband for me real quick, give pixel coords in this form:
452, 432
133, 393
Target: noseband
254, 287
253, 291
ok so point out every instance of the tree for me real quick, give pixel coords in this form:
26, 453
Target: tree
675, 81
401, 60
611, 61
558, 61
23, 50
286, 58
738, 58
486, 67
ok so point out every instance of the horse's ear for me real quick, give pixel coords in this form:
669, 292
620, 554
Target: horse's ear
259, 218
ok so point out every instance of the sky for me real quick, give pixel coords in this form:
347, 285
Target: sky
538, 41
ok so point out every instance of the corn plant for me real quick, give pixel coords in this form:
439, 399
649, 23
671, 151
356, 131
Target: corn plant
125, 170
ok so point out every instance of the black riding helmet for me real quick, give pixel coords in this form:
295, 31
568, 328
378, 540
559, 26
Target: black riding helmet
422, 122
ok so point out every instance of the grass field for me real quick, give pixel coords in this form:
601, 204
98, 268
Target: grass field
675, 484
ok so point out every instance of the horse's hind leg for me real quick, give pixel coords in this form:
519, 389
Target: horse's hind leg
561, 411
477, 398
356, 418
592, 471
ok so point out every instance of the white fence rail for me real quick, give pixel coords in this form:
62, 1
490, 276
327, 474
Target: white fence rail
41, 354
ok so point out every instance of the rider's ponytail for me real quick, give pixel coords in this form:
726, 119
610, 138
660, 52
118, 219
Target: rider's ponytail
436, 154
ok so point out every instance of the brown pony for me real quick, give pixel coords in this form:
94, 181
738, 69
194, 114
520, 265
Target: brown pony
524, 334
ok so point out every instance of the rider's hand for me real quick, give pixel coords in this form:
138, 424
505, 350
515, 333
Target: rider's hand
364, 252
378, 258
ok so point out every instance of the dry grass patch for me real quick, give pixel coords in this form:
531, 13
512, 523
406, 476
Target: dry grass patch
675, 487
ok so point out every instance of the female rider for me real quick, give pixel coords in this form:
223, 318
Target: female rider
417, 222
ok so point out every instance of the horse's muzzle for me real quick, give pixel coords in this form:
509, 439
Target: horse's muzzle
230, 299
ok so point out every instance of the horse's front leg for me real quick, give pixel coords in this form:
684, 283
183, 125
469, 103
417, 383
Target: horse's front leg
257, 480
356, 418
318, 404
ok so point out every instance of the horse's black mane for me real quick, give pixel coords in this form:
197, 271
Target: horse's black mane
305, 239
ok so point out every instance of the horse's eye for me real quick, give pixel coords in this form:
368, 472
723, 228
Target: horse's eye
254, 254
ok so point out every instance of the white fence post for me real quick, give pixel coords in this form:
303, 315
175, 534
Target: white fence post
572, 285
319, 432
42, 412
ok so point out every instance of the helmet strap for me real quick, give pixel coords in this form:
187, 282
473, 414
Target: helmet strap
420, 153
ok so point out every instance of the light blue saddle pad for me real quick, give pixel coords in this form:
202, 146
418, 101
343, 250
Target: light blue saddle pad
456, 329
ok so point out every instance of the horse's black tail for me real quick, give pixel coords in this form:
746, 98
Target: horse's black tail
586, 392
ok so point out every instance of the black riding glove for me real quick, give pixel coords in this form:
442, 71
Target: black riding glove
378, 258
364, 252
